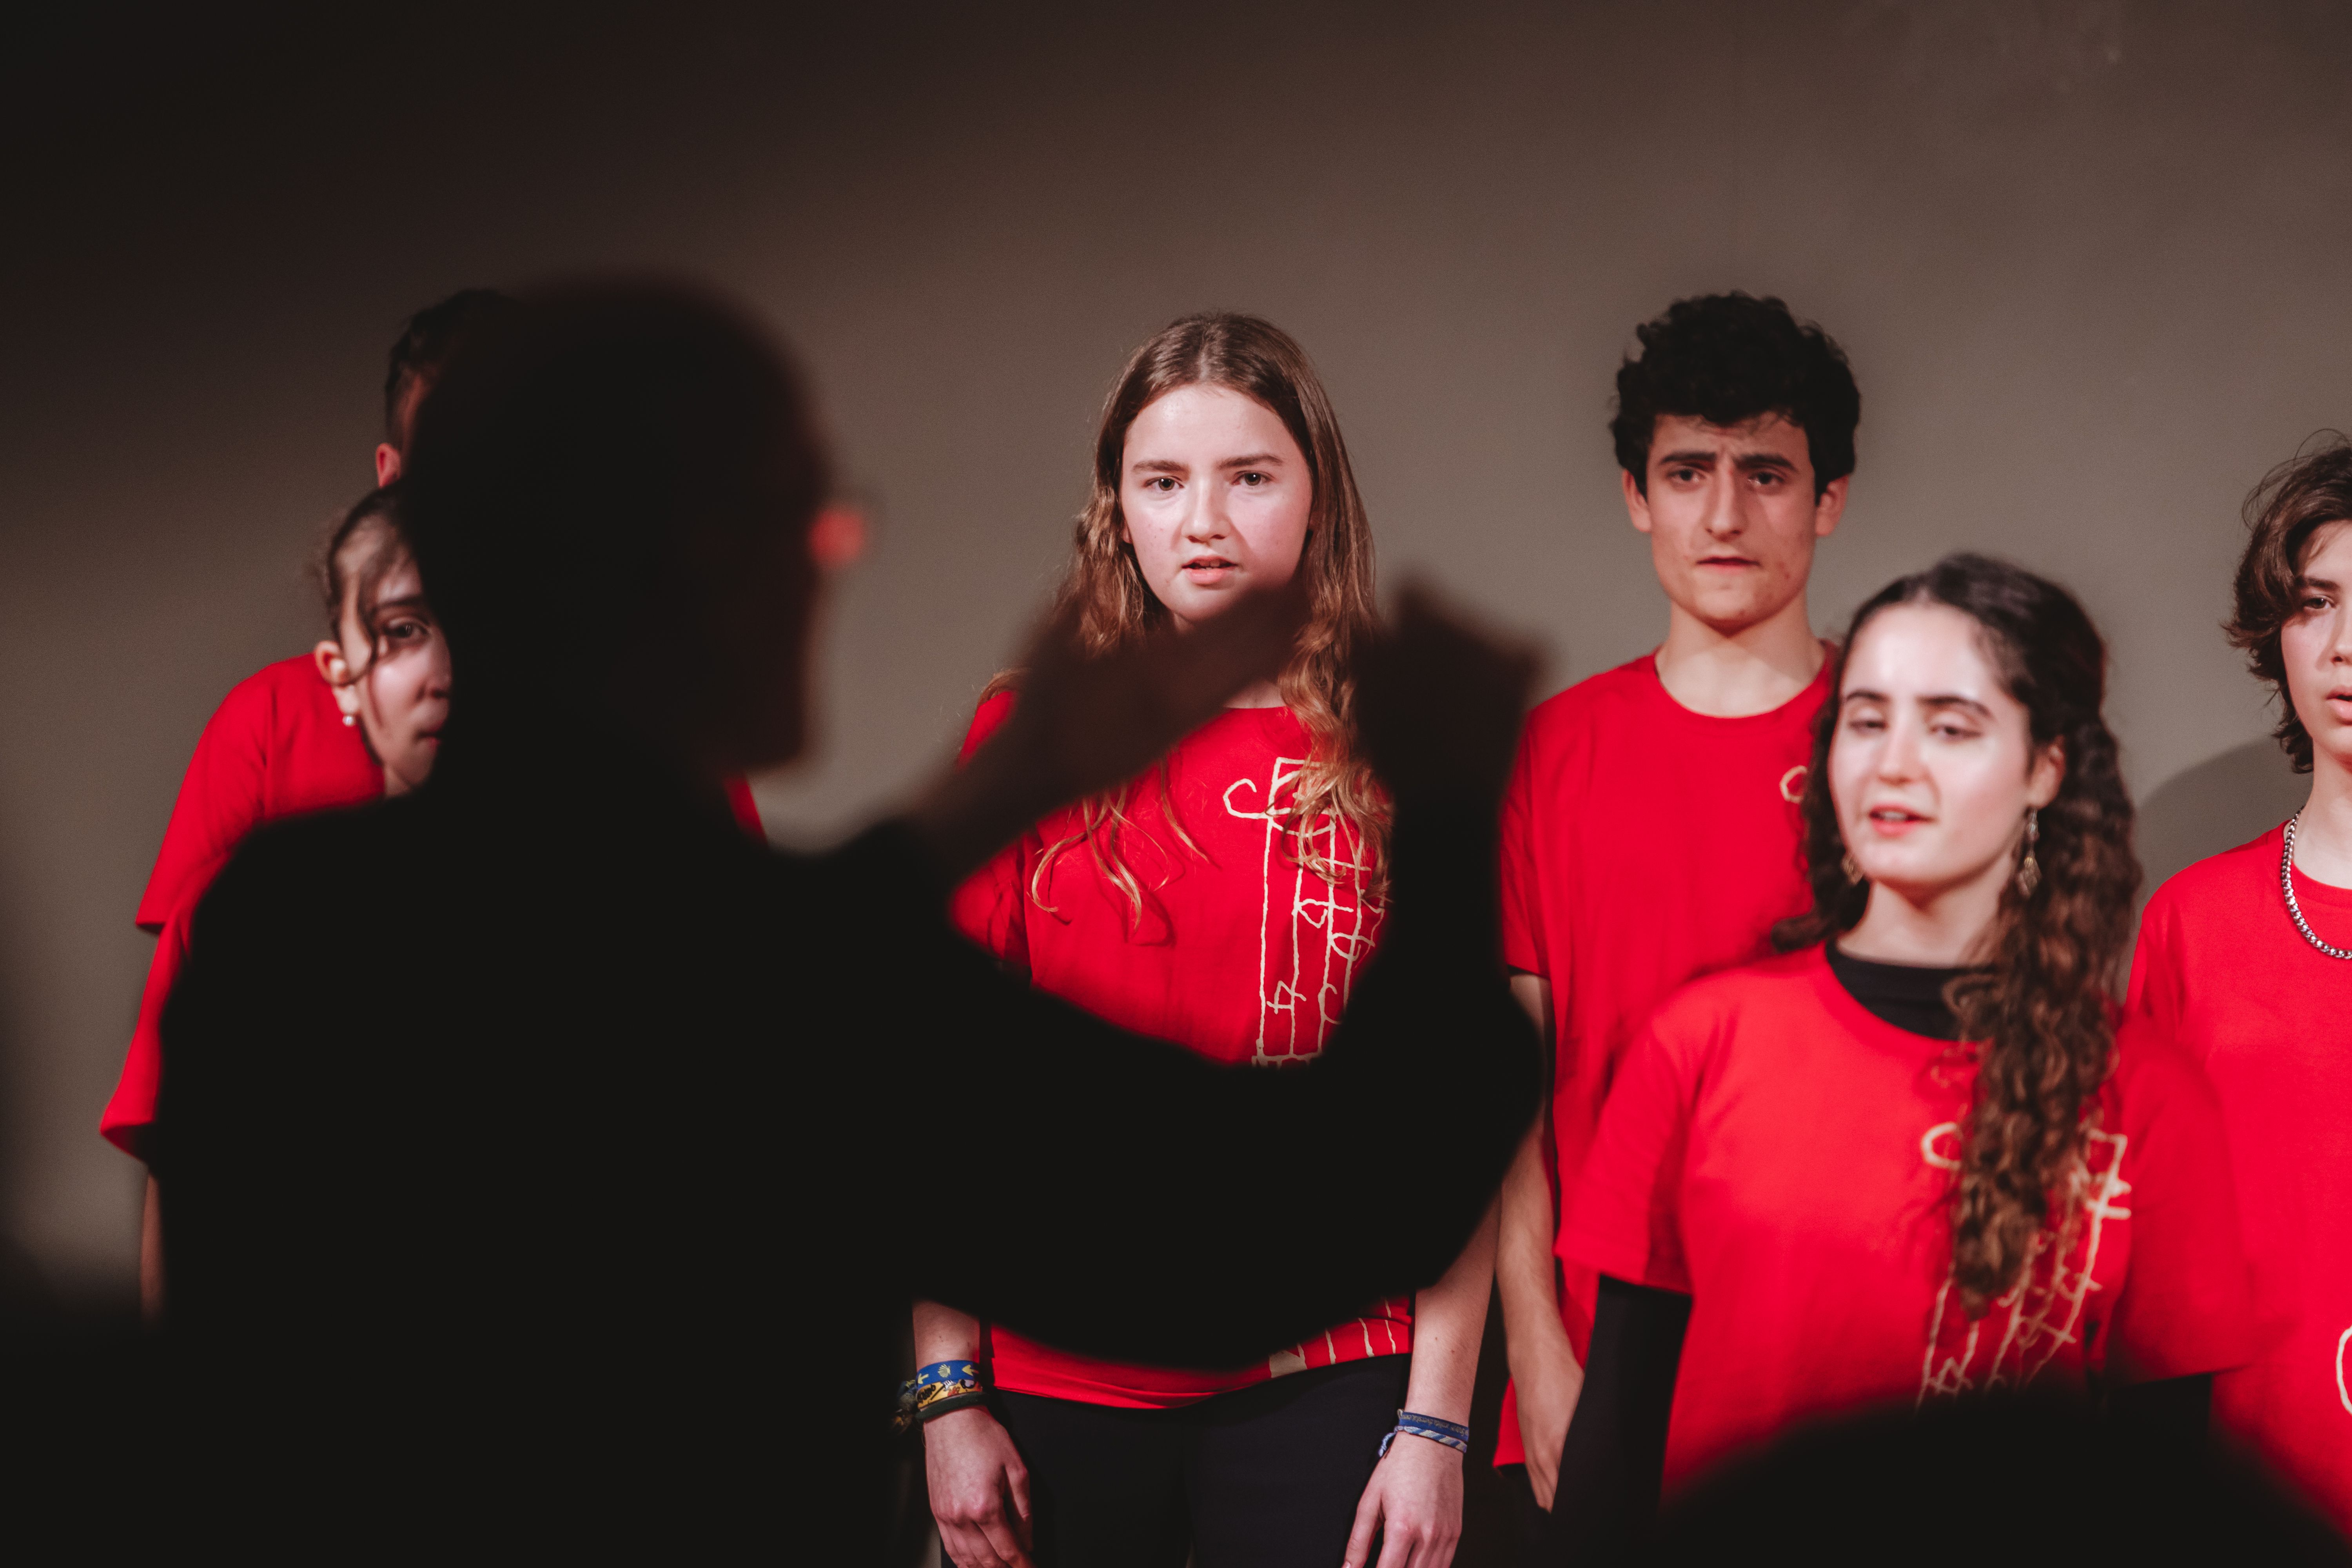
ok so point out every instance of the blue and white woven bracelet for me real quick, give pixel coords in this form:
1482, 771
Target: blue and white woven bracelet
1452, 1434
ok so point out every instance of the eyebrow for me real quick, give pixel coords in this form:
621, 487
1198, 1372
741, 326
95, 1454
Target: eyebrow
1694, 459
2325, 584
1934, 700
1169, 466
1702, 458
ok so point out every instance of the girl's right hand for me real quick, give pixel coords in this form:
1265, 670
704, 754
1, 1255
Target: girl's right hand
980, 1491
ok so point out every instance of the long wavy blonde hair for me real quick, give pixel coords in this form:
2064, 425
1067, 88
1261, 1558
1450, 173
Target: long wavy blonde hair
1116, 605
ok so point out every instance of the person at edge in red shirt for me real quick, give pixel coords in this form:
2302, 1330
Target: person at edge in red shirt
1912, 1160
2245, 960
1226, 901
354, 720
1650, 834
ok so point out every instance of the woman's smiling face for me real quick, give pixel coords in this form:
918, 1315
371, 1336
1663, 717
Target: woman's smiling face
1215, 499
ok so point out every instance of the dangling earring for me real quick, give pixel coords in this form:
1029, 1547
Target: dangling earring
2029, 870
1851, 869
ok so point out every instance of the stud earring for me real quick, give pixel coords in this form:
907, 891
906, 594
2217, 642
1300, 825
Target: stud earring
1851, 869
2029, 870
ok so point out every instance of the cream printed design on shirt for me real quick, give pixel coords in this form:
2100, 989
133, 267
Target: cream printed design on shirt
1310, 941
2342, 1392
1302, 982
2044, 1313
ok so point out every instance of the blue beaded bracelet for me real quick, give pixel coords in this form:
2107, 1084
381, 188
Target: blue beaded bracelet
1453, 1434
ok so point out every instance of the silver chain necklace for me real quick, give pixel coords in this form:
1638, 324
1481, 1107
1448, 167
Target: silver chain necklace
2286, 885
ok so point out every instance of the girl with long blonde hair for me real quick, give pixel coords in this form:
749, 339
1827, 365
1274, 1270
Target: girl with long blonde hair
1225, 900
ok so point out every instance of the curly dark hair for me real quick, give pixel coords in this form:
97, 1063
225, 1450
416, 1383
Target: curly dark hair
2040, 1009
1730, 358
2294, 500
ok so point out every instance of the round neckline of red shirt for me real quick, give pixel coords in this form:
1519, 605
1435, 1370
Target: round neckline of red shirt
1859, 1019
2308, 889
1655, 686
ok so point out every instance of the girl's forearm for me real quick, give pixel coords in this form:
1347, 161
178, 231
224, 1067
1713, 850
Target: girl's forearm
942, 1333
1449, 1319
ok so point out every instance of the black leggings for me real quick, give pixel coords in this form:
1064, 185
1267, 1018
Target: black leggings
1268, 1475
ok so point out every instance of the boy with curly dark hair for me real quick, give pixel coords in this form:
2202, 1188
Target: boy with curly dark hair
1651, 833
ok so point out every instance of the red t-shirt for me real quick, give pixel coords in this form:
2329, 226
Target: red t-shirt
2223, 971
1238, 953
1785, 1158
1643, 845
275, 747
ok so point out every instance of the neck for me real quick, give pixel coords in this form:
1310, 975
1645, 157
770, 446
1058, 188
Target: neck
2323, 838
1733, 673
1945, 929
1256, 694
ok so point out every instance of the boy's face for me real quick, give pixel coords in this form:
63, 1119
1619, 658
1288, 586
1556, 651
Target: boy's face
1732, 516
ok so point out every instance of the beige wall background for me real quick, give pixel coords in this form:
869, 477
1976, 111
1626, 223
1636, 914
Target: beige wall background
2090, 260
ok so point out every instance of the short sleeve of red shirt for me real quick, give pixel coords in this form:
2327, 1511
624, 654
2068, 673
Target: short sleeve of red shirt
988, 908
276, 746
2186, 1306
131, 1110
1623, 1220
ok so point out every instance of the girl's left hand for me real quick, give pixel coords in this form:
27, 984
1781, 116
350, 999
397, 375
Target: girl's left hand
1413, 1504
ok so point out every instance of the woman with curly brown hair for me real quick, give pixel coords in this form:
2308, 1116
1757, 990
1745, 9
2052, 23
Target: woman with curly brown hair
2245, 961
1906, 1160
1226, 900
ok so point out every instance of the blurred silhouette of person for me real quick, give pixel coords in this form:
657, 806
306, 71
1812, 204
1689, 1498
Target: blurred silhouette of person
1911, 1160
604, 1213
356, 720
1225, 902
2029, 1482
2245, 960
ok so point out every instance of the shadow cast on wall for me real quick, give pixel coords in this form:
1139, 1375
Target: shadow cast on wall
2218, 805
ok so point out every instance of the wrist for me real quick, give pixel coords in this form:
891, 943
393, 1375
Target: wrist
937, 1389
1451, 1436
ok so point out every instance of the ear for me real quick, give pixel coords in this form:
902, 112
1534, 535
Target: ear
336, 671
1830, 507
1637, 505
387, 463
2048, 773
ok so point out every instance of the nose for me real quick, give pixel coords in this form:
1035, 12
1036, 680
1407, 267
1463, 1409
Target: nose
1205, 519
1898, 754
1723, 517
